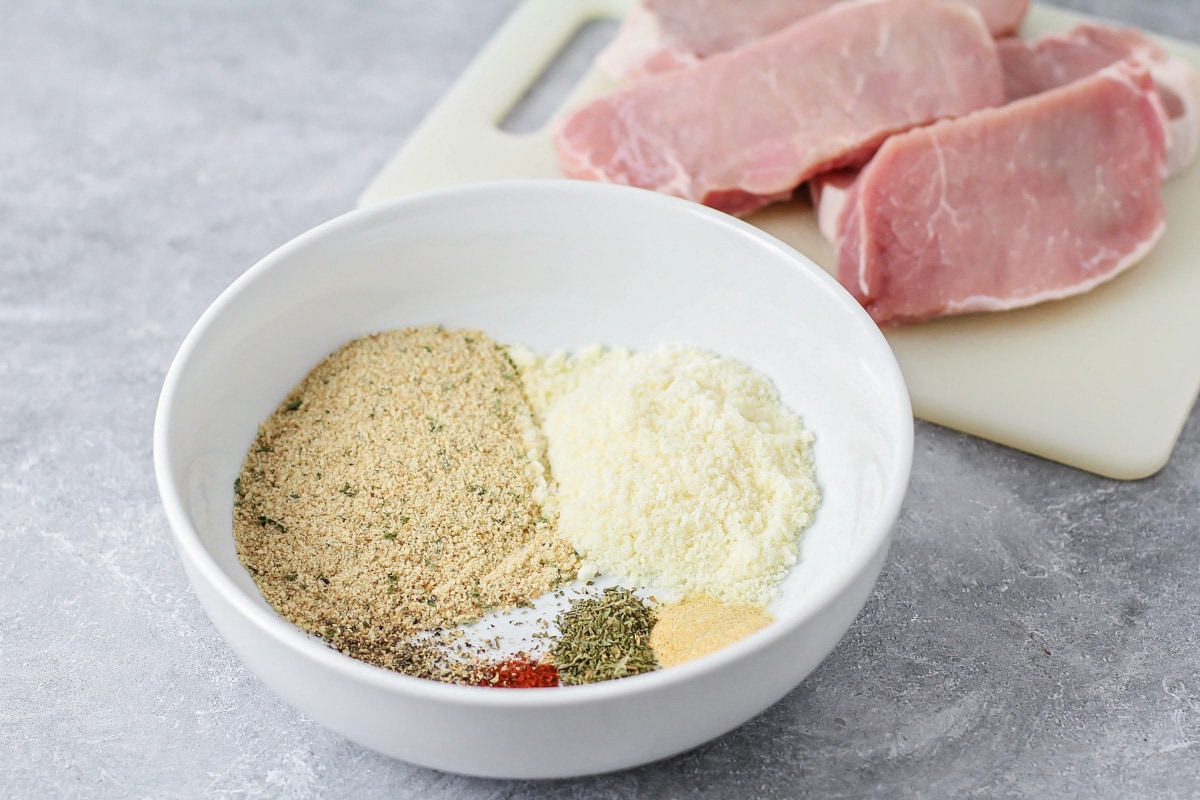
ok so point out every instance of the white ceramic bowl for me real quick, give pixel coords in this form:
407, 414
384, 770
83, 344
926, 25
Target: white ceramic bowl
548, 264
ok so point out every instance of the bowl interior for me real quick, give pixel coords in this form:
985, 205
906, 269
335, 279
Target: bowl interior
551, 265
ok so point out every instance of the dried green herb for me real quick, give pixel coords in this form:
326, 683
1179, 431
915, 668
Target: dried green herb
264, 520
604, 638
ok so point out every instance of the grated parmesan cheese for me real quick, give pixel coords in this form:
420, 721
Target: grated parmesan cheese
676, 468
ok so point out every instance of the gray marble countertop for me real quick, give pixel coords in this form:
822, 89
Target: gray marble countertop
1034, 632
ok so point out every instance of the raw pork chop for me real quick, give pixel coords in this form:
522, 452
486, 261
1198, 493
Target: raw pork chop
1056, 60
1041, 199
662, 35
748, 126
1033, 67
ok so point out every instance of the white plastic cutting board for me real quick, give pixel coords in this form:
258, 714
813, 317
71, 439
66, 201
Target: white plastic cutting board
1102, 382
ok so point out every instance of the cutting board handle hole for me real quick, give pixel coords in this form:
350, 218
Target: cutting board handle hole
551, 87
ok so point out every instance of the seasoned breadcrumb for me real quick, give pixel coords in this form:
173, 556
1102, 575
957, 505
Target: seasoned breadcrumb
397, 490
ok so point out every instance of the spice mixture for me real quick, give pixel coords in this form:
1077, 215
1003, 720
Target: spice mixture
419, 479
399, 489
699, 625
603, 638
519, 672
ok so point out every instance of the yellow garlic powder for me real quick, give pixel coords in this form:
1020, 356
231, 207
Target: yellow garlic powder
699, 625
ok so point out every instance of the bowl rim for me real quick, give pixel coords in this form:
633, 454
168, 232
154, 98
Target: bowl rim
201, 561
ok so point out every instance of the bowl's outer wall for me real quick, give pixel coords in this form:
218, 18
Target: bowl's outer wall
540, 741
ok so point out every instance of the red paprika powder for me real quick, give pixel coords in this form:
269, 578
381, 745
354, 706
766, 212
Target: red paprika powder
521, 672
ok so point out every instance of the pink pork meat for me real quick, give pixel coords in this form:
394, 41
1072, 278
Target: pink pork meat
658, 36
747, 127
1056, 60
1038, 200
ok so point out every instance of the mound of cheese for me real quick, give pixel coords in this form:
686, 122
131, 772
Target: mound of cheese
675, 468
